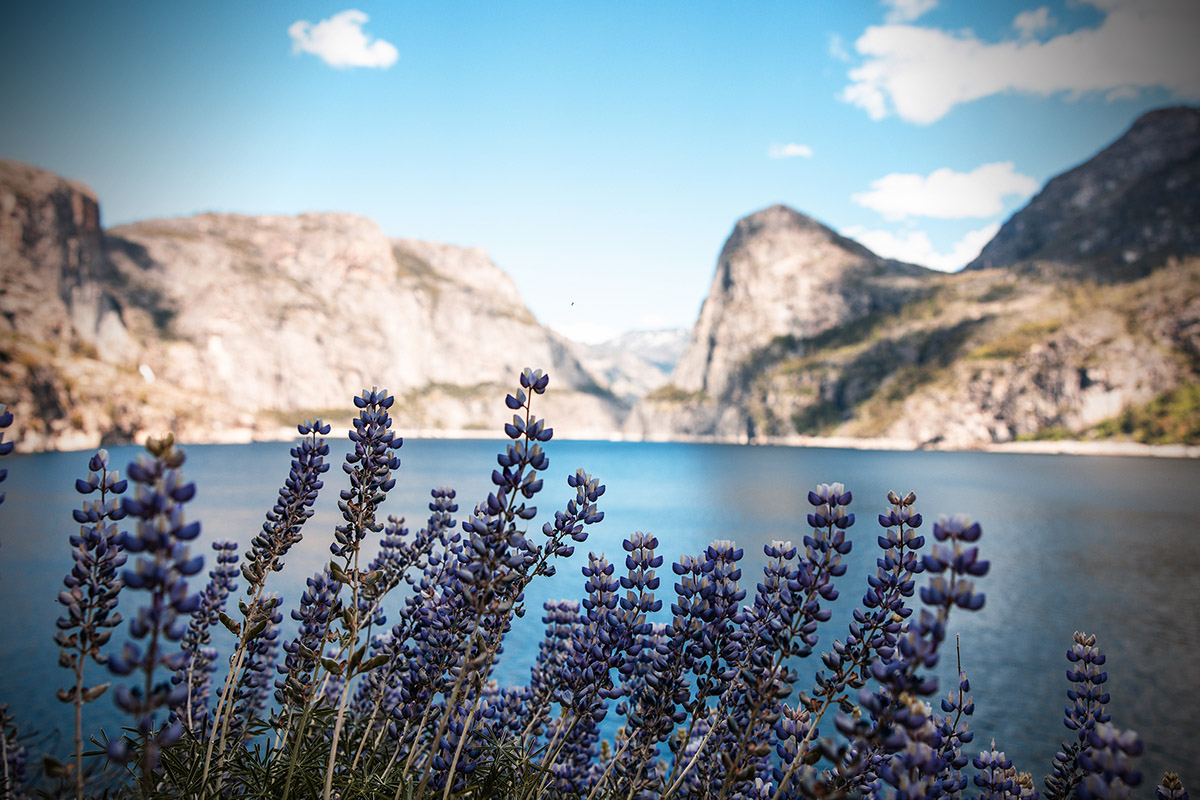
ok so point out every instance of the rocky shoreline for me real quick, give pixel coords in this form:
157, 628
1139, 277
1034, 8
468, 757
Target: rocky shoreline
1072, 447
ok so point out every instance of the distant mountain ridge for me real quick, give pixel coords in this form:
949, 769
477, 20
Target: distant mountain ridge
229, 327
1124, 211
1059, 328
634, 363
1081, 318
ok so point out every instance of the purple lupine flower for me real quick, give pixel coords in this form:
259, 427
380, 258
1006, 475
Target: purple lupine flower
874, 741
14, 757
952, 566
499, 560
92, 590
380, 694
997, 778
793, 728
201, 663
318, 605
698, 782
955, 733
718, 649
599, 645
562, 621
1171, 788
877, 624
93, 586
783, 624
1087, 710
6, 419
370, 469
252, 692
282, 528
1087, 695
509, 708
650, 716
580, 512
1107, 763
160, 540
913, 762
961, 563
581, 759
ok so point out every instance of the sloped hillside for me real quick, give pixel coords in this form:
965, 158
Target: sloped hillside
1078, 331
228, 327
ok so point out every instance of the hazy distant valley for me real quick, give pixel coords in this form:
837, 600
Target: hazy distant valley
1080, 319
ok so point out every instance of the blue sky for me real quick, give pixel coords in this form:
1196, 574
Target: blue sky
600, 152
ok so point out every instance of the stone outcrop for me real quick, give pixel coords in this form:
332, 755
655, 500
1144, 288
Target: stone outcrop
227, 326
781, 277
1122, 212
1090, 306
781, 273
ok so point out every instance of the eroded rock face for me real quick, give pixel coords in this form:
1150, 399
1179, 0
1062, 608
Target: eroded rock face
1092, 304
52, 260
781, 273
226, 326
1121, 213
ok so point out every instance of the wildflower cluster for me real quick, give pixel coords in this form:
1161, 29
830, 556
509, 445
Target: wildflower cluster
386, 689
159, 538
201, 661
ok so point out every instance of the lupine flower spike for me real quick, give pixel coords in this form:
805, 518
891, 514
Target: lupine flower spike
91, 592
159, 539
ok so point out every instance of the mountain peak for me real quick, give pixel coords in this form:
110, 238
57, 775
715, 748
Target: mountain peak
1122, 212
781, 219
782, 273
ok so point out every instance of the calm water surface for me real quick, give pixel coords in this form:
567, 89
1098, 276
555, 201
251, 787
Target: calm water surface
1101, 544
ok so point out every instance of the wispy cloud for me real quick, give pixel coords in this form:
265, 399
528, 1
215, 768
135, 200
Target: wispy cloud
1028, 24
946, 194
915, 247
790, 150
341, 42
901, 11
837, 47
920, 74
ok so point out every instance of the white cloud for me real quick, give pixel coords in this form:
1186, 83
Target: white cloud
837, 47
789, 150
340, 41
915, 247
901, 11
920, 74
946, 194
1029, 24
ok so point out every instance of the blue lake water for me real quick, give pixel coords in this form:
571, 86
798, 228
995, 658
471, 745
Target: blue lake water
1107, 545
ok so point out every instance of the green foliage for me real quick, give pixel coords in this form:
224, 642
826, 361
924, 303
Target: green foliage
1018, 341
1051, 433
1172, 417
673, 394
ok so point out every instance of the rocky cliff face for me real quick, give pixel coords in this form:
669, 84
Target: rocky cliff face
781, 276
1095, 310
224, 326
781, 273
1121, 213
